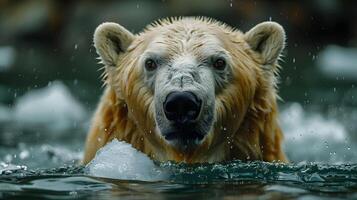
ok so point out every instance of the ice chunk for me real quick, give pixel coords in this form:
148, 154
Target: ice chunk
6, 168
119, 160
53, 107
338, 61
312, 137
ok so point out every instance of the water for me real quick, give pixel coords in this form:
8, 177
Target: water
211, 181
40, 150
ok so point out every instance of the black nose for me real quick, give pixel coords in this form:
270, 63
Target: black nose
182, 107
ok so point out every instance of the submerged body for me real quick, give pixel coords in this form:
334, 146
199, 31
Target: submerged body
190, 90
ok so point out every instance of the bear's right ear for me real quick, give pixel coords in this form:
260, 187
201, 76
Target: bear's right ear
110, 40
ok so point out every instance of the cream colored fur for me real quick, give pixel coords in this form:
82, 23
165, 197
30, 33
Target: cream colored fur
245, 114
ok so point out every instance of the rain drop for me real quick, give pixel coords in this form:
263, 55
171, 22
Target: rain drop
326, 145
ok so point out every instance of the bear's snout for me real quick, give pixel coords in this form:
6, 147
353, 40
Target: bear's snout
182, 108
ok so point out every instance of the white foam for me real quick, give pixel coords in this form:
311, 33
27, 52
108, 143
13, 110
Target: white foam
312, 137
53, 107
119, 160
7, 168
338, 61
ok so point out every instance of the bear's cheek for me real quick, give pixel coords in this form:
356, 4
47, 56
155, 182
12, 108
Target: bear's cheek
230, 110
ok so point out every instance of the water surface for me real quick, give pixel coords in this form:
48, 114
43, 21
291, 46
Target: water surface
209, 181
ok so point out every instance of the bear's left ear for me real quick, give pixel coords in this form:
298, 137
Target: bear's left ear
268, 39
110, 40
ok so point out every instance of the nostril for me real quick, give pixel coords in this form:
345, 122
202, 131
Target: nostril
170, 106
182, 107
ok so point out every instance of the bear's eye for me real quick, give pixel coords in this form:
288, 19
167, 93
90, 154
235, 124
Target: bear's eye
150, 65
219, 64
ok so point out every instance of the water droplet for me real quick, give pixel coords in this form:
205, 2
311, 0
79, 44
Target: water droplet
270, 18
24, 154
326, 145
76, 46
293, 60
8, 158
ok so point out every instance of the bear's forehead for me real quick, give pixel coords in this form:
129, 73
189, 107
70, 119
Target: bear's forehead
188, 35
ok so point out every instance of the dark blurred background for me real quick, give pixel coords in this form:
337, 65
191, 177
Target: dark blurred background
49, 43
52, 40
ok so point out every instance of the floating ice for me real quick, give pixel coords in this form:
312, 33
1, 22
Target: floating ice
311, 137
338, 61
40, 156
6, 168
52, 107
119, 160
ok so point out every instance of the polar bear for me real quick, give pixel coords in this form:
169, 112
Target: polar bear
190, 89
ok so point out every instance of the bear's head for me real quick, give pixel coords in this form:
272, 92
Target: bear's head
190, 83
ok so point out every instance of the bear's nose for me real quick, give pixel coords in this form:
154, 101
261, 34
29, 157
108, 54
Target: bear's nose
182, 107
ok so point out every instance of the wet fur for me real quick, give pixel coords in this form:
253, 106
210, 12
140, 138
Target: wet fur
246, 112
